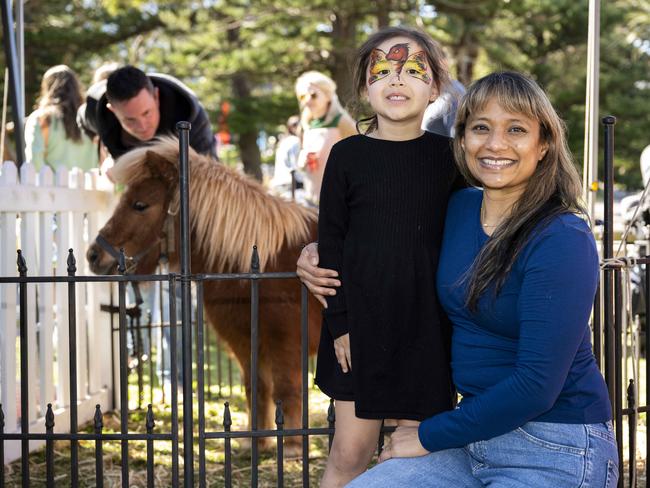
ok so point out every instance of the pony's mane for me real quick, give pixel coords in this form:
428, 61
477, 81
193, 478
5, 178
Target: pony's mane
229, 212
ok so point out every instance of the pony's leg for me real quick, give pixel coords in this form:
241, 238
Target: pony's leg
265, 406
287, 381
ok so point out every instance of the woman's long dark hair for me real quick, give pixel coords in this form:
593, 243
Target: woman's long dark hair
434, 53
61, 97
553, 189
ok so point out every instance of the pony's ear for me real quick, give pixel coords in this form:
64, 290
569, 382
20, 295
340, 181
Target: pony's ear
161, 168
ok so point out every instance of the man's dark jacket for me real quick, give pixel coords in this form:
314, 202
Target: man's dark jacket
177, 102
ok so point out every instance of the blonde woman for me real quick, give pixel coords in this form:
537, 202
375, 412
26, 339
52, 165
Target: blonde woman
324, 122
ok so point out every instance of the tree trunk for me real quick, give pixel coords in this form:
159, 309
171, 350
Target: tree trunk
249, 152
247, 141
465, 54
344, 28
383, 12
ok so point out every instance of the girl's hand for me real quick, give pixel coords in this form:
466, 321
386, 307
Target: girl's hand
342, 351
319, 281
404, 442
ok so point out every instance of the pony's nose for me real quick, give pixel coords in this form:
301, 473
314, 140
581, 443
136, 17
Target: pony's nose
92, 255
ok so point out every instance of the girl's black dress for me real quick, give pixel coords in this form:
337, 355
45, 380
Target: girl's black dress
382, 210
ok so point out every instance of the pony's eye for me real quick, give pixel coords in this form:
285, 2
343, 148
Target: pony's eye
140, 206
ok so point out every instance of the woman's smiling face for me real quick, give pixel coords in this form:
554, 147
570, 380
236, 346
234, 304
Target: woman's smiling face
502, 149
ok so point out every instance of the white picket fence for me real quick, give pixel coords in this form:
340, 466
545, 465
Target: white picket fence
46, 214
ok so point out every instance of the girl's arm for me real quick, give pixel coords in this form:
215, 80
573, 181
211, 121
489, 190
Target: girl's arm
332, 230
555, 302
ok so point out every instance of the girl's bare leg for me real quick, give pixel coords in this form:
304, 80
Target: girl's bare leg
354, 444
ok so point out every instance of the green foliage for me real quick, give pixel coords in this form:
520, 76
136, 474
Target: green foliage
249, 52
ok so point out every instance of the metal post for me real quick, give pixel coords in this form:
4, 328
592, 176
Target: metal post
72, 351
124, 386
20, 49
186, 301
608, 252
304, 358
618, 366
254, 373
590, 169
9, 42
24, 367
200, 367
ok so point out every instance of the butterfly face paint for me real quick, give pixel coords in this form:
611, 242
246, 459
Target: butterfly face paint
416, 66
382, 65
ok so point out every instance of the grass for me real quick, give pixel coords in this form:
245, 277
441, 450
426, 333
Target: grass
215, 452
215, 470
215, 457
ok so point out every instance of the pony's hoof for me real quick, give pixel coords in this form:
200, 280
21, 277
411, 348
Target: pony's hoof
263, 444
292, 450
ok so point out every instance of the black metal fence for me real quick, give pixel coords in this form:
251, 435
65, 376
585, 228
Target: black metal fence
609, 348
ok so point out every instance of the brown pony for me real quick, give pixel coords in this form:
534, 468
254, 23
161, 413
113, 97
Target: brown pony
229, 213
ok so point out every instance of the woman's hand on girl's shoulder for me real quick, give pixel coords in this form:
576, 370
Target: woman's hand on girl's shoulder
320, 282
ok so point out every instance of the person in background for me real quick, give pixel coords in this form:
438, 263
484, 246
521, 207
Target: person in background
104, 71
324, 122
131, 108
52, 135
440, 115
286, 156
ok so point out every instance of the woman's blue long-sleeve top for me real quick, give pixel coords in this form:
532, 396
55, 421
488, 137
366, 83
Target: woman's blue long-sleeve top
525, 354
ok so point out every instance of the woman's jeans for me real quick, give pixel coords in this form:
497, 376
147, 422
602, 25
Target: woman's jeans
536, 455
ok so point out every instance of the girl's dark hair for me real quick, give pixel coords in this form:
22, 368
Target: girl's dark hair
553, 189
434, 53
61, 97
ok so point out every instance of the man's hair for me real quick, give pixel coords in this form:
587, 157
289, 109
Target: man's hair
125, 83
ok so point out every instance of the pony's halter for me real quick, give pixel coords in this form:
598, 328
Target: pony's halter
131, 262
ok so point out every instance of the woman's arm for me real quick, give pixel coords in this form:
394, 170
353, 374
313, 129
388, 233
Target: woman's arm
320, 282
34, 141
555, 301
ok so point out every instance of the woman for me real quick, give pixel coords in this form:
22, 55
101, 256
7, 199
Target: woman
324, 122
52, 135
517, 277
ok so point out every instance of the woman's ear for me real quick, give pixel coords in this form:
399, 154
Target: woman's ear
543, 151
434, 93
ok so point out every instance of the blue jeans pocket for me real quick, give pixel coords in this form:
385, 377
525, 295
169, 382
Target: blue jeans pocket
567, 438
612, 474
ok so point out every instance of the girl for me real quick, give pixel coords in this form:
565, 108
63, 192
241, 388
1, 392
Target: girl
324, 122
52, 135
383, 344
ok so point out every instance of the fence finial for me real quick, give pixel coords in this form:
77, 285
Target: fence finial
98, 419
331, 414
255, 261
279, 414
72, 263
121, 262
22, 265
49, 419
150, 420
227, 420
